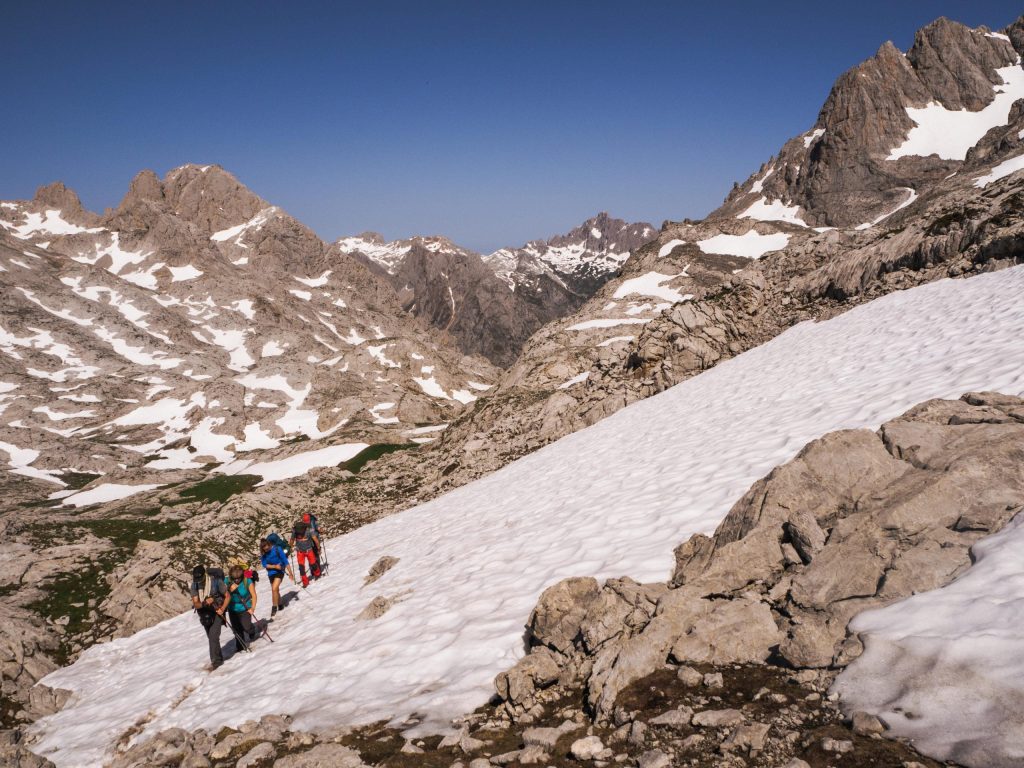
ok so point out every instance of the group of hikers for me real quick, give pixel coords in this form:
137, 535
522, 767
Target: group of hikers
231, 601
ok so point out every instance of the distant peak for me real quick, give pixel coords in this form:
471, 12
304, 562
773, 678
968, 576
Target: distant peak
57, 195
371, 237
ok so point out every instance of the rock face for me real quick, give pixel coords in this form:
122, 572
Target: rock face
492, 304
841, 173
857, 520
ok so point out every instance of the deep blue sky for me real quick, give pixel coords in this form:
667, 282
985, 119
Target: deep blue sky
493, 123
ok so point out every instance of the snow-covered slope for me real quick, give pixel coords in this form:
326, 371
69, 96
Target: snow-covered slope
609, 500
193, 325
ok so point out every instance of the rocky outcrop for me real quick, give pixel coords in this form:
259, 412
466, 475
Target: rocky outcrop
857, 520
839, 174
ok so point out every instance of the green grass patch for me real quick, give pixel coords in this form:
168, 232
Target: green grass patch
76, 593
220, 488
372, 453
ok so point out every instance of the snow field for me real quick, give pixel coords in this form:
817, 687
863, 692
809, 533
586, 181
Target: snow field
752, 244
950, 133
775, 210
609, 500
962, 648
652, 284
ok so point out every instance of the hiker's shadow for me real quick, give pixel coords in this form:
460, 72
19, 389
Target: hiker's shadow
287, 598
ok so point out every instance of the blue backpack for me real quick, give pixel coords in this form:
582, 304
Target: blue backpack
277, 541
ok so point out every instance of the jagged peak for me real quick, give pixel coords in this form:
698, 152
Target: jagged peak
59, 196
206, 195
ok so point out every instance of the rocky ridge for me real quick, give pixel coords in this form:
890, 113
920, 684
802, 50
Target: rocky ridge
492, 304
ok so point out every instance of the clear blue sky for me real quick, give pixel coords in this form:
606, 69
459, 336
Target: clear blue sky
490, 122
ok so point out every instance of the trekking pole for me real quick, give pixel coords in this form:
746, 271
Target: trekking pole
265, 633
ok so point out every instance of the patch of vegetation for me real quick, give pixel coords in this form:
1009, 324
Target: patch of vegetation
77, 480
76, 593
372, 453
40, 504
219, 488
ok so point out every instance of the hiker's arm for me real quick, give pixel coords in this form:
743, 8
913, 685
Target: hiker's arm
252, 591
227, 600
288, 570
196, 605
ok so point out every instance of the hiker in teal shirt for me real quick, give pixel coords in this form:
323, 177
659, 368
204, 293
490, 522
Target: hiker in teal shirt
242, 607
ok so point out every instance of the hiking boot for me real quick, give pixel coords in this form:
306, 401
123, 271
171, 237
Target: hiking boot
273, 612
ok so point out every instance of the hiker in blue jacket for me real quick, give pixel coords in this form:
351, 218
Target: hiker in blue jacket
276, 562
241, 607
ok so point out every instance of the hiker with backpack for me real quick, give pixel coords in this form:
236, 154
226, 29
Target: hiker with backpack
210, 599
314, 534
276, 562
302, 543
241, 607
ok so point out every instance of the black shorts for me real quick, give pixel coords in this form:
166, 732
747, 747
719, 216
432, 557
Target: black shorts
273, 576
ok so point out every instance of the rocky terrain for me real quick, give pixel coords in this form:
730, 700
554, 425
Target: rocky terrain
191, 343
492, 304
857, 207
732, 661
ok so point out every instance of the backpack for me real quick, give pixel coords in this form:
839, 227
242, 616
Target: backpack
217, 584
314, 525
278, 541
300, 530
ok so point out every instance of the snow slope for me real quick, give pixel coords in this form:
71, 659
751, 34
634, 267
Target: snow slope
606, 501
944, 669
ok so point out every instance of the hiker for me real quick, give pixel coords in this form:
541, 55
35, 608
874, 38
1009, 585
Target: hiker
302, 543
241, 607
314, 535
276, 562
210, 599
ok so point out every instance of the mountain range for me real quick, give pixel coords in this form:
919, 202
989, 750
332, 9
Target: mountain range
493, 401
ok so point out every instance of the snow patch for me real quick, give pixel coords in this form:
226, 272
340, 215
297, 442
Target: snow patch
668, 247
297, 465
751, 245
101, 494
950, 133
651, 284
607, 322
776, 210
1004, 169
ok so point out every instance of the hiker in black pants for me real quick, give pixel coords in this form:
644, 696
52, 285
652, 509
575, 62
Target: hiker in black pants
210, 598
242, 608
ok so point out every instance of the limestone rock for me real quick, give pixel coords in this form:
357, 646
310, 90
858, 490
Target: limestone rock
322, 756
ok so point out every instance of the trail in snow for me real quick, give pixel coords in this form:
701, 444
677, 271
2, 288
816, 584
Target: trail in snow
610, 500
